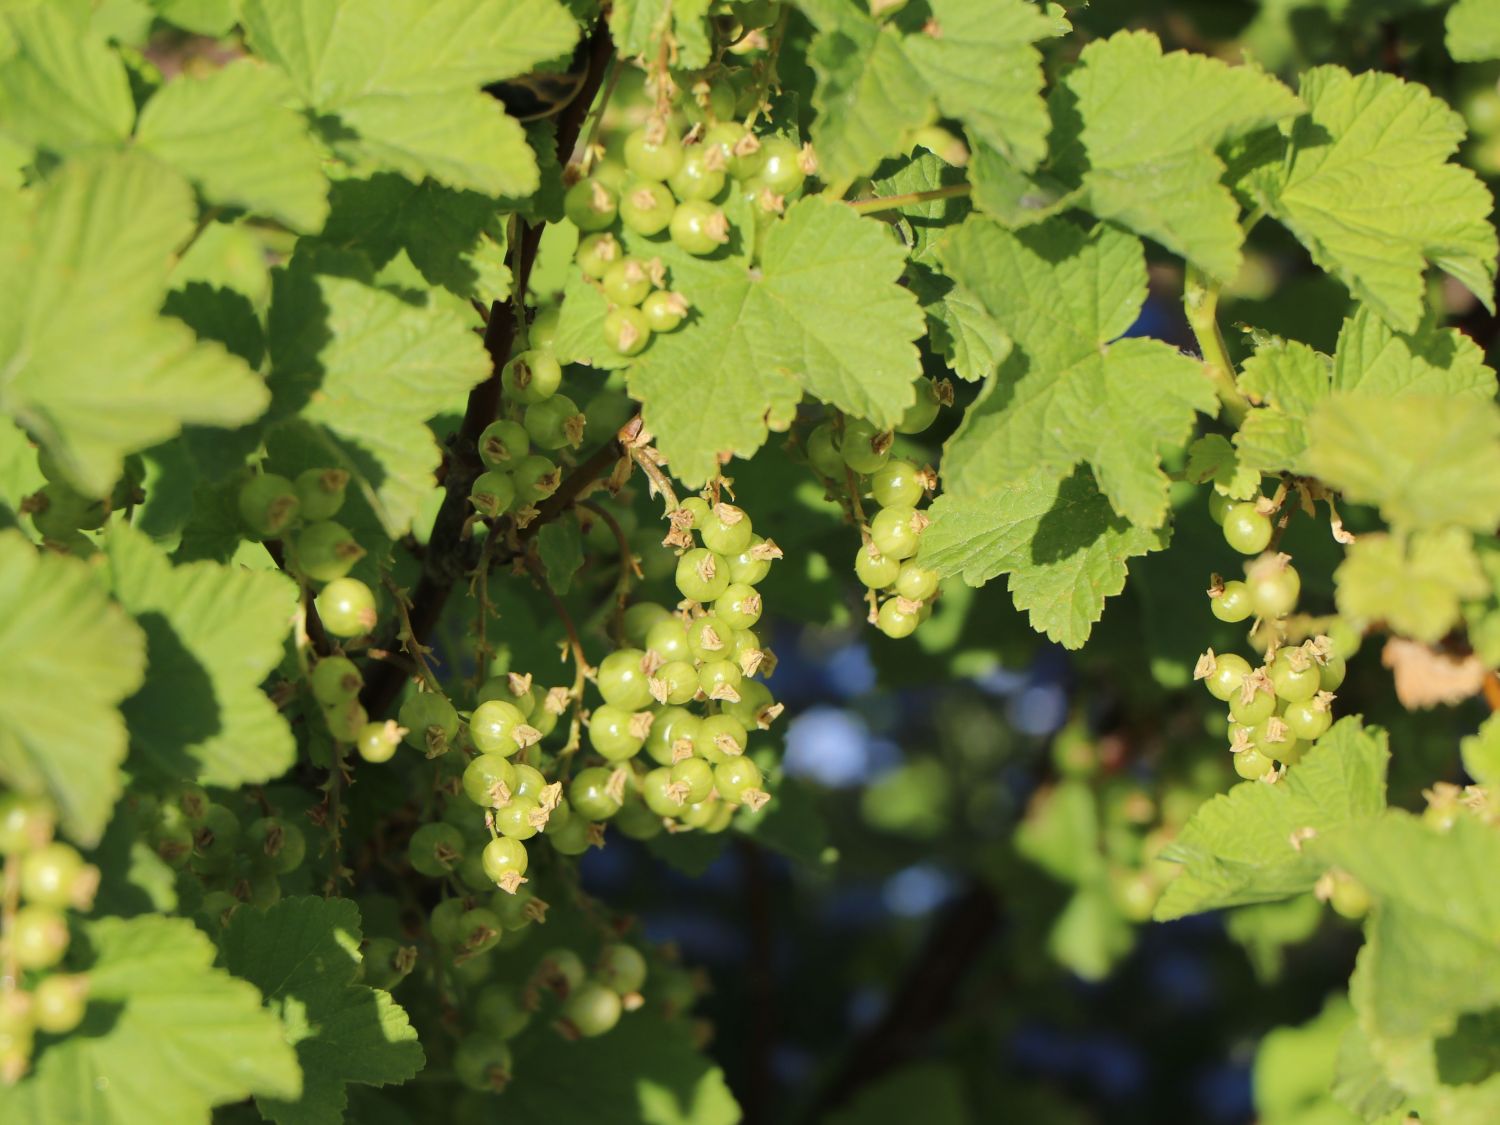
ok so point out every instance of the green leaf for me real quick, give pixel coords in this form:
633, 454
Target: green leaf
821, 312
1426, 461
92, 371
394, 84
1068, 394
1481, 752
1248, 845
368, 367
70, 656
450, 236
303, 954
1213, 458
1063, 547
1090, 936
1366, 187
206, 17
1474, 31
230, 132
973, 60
1292, 379
213, 634
958, 325
1266, 929
1137, 130
63, 91
1060, 834
647, 1073
561, 550
1413, 585
1434, 935
166, 1038
977, 58
638, 26
1294, 1069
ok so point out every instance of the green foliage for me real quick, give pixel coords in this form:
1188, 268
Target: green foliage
935, 292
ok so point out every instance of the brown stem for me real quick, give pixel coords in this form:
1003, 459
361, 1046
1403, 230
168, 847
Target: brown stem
629, 568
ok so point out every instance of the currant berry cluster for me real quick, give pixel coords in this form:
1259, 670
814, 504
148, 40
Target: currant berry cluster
1275, 710
48, 879
61, 514
319, 549
853, 457
674, 185
238, 855
518, 473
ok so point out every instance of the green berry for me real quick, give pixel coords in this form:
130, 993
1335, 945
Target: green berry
555, 423
898, 483
653, 159
25, 823
646, 207
668, 638
321, 492
823, 451
38, 937
699, 228
431, 722
720, 679
490, 780
864, 448
503, 443
268, 504
660, 795
1252, 764
335, 680
275, 844
924, 411
781, 166
436, 849
734, 778
916, 583
346, 607
590, 205
377, 742
672, 727
536, 478
1296, 675
326, 550
483, 1063
56, 875
589, 794
695, 777
1246, 530
1309, 719
700, 176
58, 1002
492, 493
641, 618
531, 377
738, 606
626, 282
701, 575
1223, 674
622, 679
1233, 603
664, 310
614, 733
898, 617
505, 859
597, 253
726, 530
627, 330
499, 727
896, 531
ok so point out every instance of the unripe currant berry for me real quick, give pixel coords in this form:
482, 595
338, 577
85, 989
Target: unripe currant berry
321, 492
346, 607
268, 504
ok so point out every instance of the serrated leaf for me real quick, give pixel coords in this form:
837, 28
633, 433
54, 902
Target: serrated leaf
1367, 188
1137, 130
213, 634
822, 312
1068, 394
1434, 935
974, 60
167, 1036
1063, 547
1292, 379
1239, 847
61, 92
1414, 585
303, 954
447, 234
1426, 461
1213, 458
232, 134
395, 83
368, 368
638, 26
1473, 31
91, 370
560, 548
977, 58
70, 657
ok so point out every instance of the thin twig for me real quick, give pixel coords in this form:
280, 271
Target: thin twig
1200, 300
629, 567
